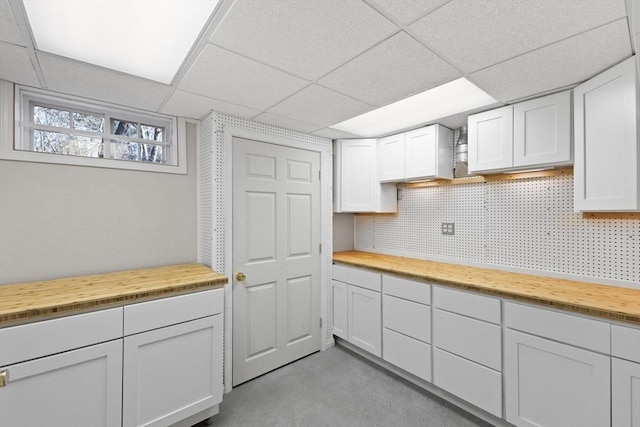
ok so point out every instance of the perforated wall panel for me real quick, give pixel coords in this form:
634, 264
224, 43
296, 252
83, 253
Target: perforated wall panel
525, 224
213, 146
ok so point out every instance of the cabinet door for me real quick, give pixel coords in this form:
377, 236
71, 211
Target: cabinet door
391, 158
606, 172
172, 373
359, 175
555, 385
365, 319
77, 388
491, 140
421, 153
625, 393
542, 131
340, 309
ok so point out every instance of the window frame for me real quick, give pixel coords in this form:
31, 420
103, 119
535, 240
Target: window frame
16, 141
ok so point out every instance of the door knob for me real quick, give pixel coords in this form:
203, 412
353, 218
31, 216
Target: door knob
240, 277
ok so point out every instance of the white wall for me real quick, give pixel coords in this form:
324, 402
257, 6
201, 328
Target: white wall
343, 232
58, 220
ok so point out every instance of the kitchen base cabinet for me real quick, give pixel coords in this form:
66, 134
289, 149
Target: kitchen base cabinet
172, 373
407, 353
365, 319
76, 388
625, 393
552, 384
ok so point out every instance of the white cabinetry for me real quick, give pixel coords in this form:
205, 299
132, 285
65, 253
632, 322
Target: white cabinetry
607, 167
548, 382
530, 134
60, 374
424, 153
625, 376
406, 335
467, 358
173, 359
156, 364
356, 186
363, 307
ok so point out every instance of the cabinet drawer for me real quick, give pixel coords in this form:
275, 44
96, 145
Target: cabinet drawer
170, 311
469, 381
26, 342
407, 289
407, 353
468, 304
339, 272
472, 339
566, 328
625, 343
365, 279
407, 317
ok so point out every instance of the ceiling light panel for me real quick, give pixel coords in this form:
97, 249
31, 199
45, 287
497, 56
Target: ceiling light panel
442, 101
146, 38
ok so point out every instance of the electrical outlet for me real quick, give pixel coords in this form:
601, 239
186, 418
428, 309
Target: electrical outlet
448, 228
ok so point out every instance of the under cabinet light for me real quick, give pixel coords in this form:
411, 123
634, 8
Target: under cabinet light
146, 38
445, 100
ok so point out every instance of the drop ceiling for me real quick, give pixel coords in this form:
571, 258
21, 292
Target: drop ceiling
308, 64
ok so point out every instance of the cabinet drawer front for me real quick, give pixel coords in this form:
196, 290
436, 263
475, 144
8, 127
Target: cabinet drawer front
468, 304
26, 342
469, 381
407, 317
472, 339
407, 353
339, 272
567, 328
407, 289
365, 279
625, 343
170, 311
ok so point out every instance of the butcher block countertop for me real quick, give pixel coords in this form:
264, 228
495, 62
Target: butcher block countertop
610, 302
32, 301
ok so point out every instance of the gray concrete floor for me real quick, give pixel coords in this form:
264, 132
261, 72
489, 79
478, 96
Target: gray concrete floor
335, 388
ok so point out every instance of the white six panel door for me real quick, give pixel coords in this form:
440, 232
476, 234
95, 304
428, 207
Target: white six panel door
276, 244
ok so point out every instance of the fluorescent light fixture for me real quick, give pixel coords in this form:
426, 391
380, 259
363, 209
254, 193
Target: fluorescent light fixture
146, 38
446, 100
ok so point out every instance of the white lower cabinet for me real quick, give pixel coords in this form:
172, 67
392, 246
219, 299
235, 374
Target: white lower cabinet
340, 308
172, 373
365, 319
625, 393
76, 388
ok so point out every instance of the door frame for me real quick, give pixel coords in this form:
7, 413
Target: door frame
231, 132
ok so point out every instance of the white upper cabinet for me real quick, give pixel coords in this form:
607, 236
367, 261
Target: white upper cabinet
392, 158
531, 134
542, 131
424, 153
491, 140
357, 187
606, 172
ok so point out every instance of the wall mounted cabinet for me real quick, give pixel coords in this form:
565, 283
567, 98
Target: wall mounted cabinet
530, 134
356, 185
607, 167
424, 153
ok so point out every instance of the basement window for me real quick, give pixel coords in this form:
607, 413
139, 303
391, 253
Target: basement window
53, 128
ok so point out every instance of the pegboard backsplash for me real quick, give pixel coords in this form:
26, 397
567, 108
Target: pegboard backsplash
527, 224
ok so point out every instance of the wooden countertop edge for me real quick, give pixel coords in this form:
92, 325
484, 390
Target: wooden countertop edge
83, 303
486, 289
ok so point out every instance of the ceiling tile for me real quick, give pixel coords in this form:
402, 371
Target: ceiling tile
305, 38
223, 75
480, 33
15, 65
333, 134
187, 104
397, 68
285, 122
407, 10
562, 64
90, 81
320, 106
9, 30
